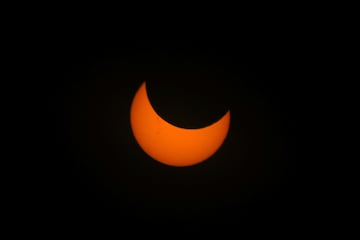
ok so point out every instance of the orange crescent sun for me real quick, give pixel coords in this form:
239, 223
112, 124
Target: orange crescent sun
173, 145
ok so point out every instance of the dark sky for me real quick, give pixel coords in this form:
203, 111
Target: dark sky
95, 170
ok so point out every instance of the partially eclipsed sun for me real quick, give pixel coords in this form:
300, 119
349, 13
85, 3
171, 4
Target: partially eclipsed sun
173, 145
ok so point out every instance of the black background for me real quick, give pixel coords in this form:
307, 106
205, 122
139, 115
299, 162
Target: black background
93, 171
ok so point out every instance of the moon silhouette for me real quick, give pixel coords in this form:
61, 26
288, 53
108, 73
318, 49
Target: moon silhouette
169, 144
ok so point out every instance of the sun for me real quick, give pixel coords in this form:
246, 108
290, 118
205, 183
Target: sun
169, 144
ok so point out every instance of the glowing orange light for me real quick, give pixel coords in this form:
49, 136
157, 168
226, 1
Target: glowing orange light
169, 144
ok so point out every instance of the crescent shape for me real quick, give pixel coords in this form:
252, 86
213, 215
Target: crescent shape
169, 144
